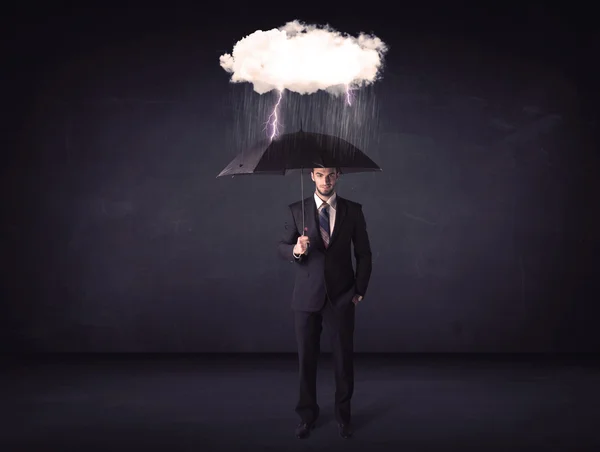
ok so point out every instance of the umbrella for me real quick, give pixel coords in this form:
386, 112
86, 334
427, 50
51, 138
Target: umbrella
299, 150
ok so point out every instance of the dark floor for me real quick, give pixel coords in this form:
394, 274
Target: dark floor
202, 403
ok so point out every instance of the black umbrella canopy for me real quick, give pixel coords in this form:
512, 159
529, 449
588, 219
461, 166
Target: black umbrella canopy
300, 150
245, 162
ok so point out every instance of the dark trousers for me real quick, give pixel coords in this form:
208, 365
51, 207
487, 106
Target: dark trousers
339, 323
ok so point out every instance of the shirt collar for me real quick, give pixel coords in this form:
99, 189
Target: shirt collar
331, 201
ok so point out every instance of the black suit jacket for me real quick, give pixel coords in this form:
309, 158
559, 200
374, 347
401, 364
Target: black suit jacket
327, 271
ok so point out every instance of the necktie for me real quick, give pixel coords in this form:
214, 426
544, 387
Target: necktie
324, 223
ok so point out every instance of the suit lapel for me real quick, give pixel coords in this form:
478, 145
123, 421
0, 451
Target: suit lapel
340, 215
312, 221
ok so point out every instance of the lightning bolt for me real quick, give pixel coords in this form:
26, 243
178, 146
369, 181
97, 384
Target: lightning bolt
348, 95
273, 121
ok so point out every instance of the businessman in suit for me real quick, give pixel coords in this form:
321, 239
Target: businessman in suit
326, 290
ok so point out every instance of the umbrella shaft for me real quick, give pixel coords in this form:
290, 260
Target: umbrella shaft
302, 198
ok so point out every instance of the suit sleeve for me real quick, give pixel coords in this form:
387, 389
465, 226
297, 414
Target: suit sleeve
362, 253
289, 238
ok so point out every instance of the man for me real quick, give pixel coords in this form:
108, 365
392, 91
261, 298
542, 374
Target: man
326, 289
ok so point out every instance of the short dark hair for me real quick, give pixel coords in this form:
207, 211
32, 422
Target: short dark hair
337, 170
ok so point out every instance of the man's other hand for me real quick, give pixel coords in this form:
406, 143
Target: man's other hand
356, 298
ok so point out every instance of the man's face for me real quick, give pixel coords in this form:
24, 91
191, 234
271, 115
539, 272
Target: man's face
324, 179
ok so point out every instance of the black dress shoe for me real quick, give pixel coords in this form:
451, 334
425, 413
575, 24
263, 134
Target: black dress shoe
303, 430
345, 430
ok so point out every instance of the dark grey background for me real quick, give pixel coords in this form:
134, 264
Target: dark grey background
117, 236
